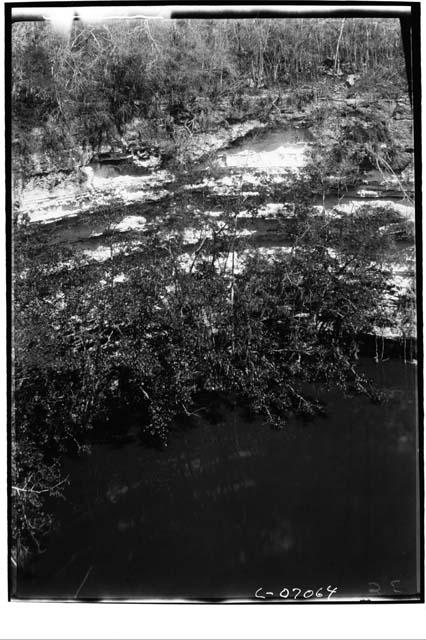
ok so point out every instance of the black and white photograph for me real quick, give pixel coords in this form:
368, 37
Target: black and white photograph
215, 324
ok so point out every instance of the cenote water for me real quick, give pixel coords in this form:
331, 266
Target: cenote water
231, 506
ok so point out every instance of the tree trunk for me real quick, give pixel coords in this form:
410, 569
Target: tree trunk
336, 57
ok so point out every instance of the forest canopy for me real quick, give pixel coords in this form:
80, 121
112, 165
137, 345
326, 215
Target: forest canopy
100, 76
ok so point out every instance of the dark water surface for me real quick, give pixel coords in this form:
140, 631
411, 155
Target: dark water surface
234, 506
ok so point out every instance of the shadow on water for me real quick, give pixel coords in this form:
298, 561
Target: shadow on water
233, 506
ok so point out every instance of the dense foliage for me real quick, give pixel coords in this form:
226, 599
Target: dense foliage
92, 343
84, 85
348, 142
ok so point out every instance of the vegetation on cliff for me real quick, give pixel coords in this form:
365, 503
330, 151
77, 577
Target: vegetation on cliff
82, 88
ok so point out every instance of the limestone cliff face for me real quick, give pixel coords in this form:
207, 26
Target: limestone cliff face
44, 169
43, 158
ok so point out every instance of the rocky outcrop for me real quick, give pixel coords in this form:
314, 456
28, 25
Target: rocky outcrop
67, 173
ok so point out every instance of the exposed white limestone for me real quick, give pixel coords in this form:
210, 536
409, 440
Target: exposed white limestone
131, 223
405, 210
284, 157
